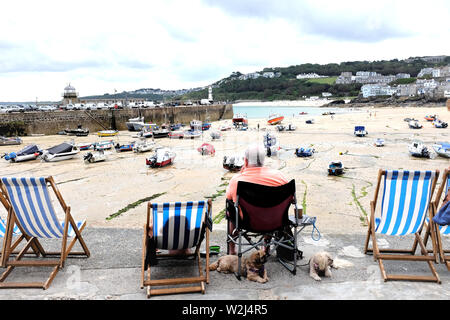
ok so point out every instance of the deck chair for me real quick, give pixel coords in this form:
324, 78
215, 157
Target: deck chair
406, 201
265, 220
176, 226
442, 230
30, 208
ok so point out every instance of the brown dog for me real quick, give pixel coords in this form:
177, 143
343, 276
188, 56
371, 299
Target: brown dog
320, 264
252, 267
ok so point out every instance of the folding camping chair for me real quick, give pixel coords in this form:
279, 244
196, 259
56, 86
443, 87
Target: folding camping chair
444, 189
265, 220
30, 208
176, 226
406, 200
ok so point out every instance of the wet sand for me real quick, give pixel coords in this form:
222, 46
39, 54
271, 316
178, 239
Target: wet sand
96, 191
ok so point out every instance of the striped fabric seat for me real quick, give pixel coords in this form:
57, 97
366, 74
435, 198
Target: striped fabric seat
16, 230
34, 210
444, 230
405, 202
177, 225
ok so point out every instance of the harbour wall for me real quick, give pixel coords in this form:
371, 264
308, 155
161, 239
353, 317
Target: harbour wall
52, 122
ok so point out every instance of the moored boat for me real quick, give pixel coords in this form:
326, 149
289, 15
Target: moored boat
161, 133
440, 124
104, 145
442, 149
239, 118
79, 132
143, 146
135, 124
310, 121
124, 147
162, 157
419, 150
290, 127
379, 142
280, 127
95, 156
206, 126
275, 119
192, 134
107, 133
360, 131
335, 168
430, 117
177, 134
60, 152
5, 141
225, 127
414, 124
304, 152
85, 146
215, 135
30, 152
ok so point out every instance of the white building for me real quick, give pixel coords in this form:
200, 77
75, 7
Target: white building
371, 90
308, 76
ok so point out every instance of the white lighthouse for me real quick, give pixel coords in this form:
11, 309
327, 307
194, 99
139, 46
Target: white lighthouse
210, 97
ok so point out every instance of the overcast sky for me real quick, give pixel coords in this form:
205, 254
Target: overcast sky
101, 46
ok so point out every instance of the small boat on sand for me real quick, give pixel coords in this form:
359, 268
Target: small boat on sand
430, 117
177, 134
275, 119
442, 149
192, 134
290, 127
310, 121
30, 152
379, 142
414, 124
419, 150
233, 163
206, 149
79, 132
143, 145
85, 146
335, 168
304, 152
161, 133
124, 147
440, 124
104, 145
225, 127
239, 118
162, 157
280, 127
107, 133
215, 135
4, 141
95, 156
360, 131
135, 124
60, 152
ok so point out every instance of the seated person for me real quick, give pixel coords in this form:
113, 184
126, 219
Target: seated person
253, 171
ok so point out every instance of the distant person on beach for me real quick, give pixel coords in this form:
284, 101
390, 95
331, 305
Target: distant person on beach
253, 171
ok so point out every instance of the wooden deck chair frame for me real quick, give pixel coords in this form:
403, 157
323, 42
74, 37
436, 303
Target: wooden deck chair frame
198, 283
402, 254
32, 243
442, 251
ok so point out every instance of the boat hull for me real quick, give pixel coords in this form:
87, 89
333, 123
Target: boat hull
60, 156
274, 121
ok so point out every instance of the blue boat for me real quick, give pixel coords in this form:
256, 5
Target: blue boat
335, 168
124, 147
206, 126
304, 152
360, 131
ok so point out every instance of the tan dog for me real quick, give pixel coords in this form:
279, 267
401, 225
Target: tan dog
252, 267
320, 264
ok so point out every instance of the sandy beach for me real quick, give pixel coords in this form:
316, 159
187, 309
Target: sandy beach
116, 187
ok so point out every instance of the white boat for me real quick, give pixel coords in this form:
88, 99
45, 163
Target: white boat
440, 124
4, 141
95, 156
60, 152
418, 149
442, 149
177, 134
104, 145
135, 124
225, 127
162, 157
30, 152
290, 127
143, 145
192, 134
379, 142
275, 119
215, 135
360, 131
414, 124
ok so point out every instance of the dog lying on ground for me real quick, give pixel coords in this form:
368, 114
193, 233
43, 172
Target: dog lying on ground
252, 267
320, 265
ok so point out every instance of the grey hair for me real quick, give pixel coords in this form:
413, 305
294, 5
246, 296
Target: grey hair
255, 155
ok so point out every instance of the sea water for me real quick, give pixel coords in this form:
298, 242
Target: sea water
259, 112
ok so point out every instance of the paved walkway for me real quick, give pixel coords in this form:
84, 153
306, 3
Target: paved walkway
113, 272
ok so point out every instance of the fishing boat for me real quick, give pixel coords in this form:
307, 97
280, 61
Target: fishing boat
379, 142
4, 141
233, 163
85, 146
310, 121
161, 133
335, 168
162, 157
419, 150
360, 131
442, 149
225, 127
414, 124
196, 125
191, 134
104, 145
30, 152
177, 134
124, 147
215, 135
304, 152
144, 133
107, 133
143, 145
280, 127
440, 124
430, 117
206, 149
95, 156
79, 132
135, 124
290, 127
239, 118
60, 152
275, 119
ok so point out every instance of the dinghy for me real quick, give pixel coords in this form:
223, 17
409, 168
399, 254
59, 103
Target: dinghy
430, 117
379, 142
79, 132
233, 163
60, 152
124, 147
206, 149
161, 133
95, 156
440, 124
275, 119
360, 131
4, 141
107, 133
177, 134
84, 146
442, 149
191, 134
335, 168
206, 126
225, 127
104, 145
215, 135
304, 152
419, 150
143, 146
414, 124
310, 121
30, 152
290, 127
162, 157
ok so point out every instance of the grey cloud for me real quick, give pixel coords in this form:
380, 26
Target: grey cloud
360, 26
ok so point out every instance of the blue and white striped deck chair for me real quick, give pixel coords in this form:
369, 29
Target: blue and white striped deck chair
441, 194
176, 226
405, 204
30, 205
